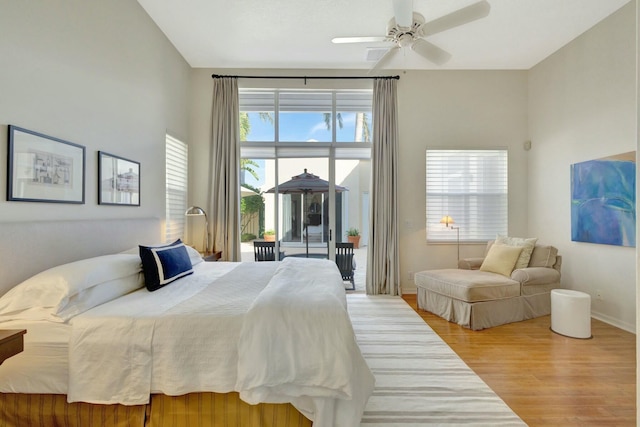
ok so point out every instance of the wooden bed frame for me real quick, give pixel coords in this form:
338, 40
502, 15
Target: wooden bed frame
27, 248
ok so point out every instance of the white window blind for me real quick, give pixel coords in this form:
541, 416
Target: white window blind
354, 101
271, 152
176, 188
305, 101
257, 100
263, 100
471, 186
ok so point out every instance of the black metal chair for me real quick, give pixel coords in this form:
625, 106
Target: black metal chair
265, 251
346, 262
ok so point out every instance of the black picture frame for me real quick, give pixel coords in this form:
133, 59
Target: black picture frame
42, 168
118, 180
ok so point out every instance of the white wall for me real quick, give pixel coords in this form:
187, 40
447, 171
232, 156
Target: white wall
99, 74
582, 106
456, 109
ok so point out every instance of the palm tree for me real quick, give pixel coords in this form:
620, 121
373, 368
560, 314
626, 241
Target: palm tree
363, 127
249, 165
327, 120
245, 126
245, 123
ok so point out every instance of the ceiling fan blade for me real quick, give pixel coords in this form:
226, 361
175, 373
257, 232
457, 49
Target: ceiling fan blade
386, 58
358, 39
459, 17
403, 11
430, 51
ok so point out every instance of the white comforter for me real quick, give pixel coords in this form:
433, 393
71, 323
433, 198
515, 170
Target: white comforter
275, 332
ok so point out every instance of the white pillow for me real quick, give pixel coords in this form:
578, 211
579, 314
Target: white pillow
99, 294
527, 246
57, 293
194, 255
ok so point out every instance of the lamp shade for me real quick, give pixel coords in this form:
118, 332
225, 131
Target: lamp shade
446, 220
195, 211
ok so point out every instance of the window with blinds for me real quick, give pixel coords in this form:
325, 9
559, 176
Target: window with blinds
176, 188
470, 186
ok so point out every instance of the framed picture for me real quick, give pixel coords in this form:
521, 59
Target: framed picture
42, 168
118, 180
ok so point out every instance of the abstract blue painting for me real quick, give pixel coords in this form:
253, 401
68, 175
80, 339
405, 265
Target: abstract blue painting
603, 200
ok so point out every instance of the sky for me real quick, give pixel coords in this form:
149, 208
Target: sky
296, 127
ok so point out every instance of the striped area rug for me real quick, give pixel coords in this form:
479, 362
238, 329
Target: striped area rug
420, 381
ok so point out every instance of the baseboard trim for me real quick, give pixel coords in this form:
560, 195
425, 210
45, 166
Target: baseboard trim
613, 322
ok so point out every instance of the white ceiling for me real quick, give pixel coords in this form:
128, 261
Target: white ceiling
517, 34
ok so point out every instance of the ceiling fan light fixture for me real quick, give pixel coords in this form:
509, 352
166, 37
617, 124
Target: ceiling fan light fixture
405, 40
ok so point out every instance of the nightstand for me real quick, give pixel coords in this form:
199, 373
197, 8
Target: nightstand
11, 343
214, 256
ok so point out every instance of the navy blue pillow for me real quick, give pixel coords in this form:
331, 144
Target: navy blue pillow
164, 264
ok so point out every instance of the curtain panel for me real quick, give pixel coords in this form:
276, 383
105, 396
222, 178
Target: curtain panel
224, 170
383, 260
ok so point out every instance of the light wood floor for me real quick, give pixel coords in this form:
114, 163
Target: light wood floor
548, 379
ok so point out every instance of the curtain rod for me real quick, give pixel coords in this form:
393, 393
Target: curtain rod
305, 78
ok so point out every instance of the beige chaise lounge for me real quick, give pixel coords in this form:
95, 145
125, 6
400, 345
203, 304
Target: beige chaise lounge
479, 299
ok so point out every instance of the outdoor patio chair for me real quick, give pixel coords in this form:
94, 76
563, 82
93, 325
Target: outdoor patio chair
346, 262
265, 251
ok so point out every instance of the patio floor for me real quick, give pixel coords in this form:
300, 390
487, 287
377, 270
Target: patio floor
360, 255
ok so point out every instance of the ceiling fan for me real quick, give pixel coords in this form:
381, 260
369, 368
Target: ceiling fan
409, 29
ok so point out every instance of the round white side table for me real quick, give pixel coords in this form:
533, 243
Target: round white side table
571, 313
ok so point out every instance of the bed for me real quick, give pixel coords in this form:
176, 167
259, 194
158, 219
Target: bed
229, 344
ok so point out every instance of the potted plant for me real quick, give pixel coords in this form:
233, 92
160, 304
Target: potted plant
353, 236
269, 236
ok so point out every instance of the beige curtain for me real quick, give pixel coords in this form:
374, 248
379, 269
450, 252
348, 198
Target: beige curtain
224, 170
382, 260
